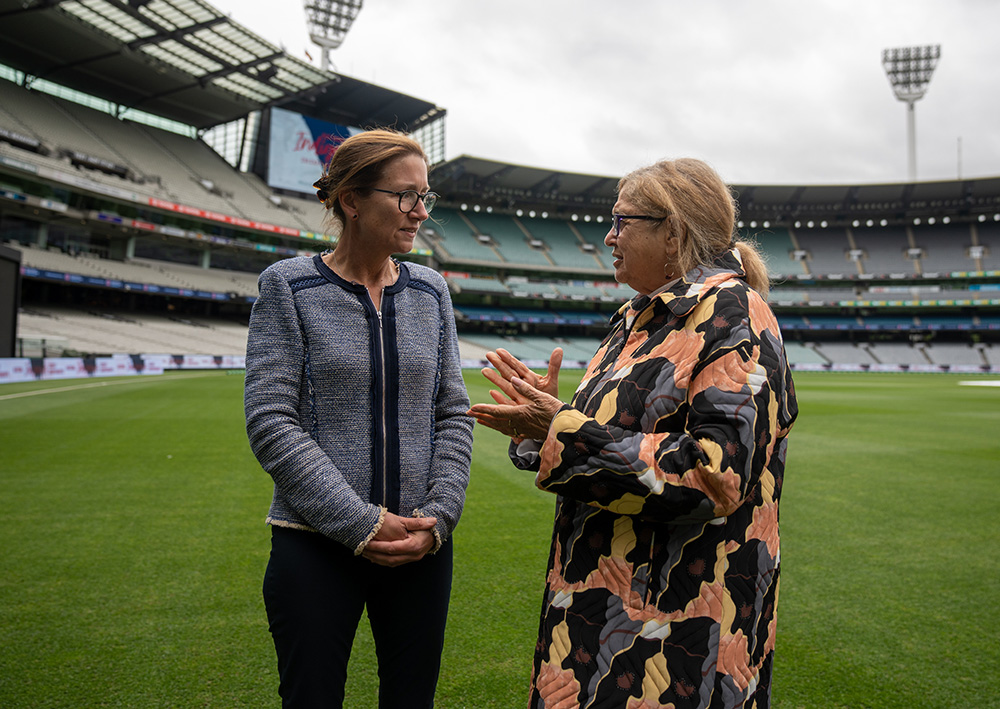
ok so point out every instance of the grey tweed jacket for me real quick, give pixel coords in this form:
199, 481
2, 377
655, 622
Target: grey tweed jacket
355, 412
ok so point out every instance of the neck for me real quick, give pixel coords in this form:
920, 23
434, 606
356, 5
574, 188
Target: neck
369, 272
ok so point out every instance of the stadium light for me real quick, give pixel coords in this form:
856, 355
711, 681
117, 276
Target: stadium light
909, 70
329, 22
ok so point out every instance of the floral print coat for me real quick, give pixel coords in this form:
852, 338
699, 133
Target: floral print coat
668, 465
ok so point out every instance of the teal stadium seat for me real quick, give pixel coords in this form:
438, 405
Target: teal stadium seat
511, 242
475, 284
564, 246
594, 233
800, 354
775, 244
458, 239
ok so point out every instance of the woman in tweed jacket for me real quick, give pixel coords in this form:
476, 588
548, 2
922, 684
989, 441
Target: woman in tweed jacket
356, 407
668, 466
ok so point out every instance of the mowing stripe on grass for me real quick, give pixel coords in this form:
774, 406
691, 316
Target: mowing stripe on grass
128, 380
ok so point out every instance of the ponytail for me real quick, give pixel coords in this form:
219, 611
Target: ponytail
755, 268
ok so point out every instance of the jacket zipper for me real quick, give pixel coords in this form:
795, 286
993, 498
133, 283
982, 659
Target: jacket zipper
381, 359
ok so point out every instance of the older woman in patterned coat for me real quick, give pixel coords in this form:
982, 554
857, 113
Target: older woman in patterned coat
668, 464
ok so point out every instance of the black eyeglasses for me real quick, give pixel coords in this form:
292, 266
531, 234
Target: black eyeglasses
408, 199
617, 219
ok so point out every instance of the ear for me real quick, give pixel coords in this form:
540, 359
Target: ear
349, 203
676, 227
675, 230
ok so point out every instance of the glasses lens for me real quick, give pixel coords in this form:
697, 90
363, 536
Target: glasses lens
617, 220
408, 200
430, 199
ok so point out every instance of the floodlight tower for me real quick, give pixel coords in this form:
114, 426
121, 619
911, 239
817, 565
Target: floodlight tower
909, 70
329, 21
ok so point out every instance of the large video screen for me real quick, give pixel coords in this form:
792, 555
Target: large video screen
299, 149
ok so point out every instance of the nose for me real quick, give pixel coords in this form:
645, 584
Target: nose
420, 210
610, 238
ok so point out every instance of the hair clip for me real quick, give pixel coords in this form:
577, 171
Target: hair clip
321, 192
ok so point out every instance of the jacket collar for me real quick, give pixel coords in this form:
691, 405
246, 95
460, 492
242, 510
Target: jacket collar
681, 298
334, 277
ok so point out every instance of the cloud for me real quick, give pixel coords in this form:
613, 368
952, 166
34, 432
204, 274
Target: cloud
773, 91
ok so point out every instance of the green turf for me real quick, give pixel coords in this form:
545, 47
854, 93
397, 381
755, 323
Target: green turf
134, 546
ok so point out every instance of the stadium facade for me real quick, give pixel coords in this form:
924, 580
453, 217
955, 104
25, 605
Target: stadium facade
150, 168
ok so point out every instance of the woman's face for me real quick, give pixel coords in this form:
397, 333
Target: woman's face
642, 251
381, 225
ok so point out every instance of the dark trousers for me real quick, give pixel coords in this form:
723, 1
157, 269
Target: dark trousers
315, 590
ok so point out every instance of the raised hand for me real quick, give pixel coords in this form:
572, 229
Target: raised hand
507, 366
526, 412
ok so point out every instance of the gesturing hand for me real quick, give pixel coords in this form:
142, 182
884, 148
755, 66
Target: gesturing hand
508, 366
528, 414
400, 540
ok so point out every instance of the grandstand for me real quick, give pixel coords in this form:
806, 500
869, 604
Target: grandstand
141, 233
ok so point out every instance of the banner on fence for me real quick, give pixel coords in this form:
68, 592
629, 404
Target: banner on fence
29, 369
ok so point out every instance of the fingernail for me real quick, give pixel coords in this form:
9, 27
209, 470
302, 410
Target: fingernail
516, 381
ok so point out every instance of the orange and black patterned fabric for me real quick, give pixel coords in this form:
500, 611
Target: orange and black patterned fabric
668, 466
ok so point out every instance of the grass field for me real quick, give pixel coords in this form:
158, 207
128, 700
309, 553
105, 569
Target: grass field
134, 546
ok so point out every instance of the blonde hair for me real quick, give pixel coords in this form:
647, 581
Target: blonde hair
359, 163
699, 209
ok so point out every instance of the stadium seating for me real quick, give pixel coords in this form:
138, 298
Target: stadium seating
143, 271
989, 237
511, 242
944, 247
476, 284
899, 353
580, 291
775, 245
884, 250
132, 333
827, 249
530, 289
533, 347
458, 238
593, 233
162, 164
845, 352
564, 246
799, 353
953, 353
51, 121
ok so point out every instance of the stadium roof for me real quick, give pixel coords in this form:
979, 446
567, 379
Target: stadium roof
507, 187
183, 60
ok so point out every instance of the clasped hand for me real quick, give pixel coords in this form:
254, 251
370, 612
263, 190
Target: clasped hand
400, 540
526, 401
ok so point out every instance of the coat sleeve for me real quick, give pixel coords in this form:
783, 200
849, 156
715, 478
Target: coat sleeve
449, 474
275, 382
736, 392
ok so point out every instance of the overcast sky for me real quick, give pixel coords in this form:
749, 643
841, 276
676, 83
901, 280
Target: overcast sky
767, 91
